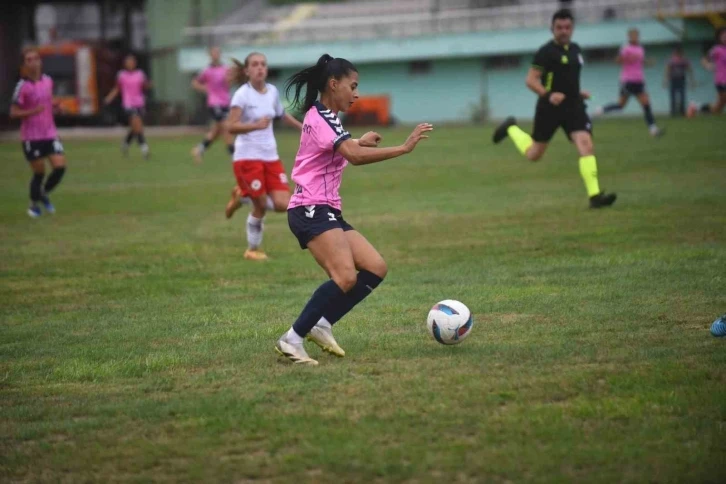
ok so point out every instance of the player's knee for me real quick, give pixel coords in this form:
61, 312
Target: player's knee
378, 267
345, 278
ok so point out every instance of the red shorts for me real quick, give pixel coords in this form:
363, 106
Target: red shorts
256, 178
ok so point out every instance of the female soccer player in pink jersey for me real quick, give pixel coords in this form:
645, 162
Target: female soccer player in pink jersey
33, 104
715, 61
314, 213
632, 81
260, 174
214, 81
132, 83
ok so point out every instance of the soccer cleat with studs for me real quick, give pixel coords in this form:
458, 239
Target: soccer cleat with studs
501, 132
323, 337
294, 352
602, 199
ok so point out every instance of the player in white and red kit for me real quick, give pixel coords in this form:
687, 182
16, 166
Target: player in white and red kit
214, 81
632, 81
131, 82
315, 213
260, 174
715, 61
33, 104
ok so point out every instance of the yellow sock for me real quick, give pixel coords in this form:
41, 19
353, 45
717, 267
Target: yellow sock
521, 139
588, 171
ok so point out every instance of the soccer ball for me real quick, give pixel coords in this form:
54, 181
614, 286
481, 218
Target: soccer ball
449, 322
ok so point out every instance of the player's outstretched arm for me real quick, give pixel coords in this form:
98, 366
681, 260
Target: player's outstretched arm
111, 96
365, 155
198, 86
290, 120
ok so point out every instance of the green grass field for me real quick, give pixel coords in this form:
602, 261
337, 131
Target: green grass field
137, 344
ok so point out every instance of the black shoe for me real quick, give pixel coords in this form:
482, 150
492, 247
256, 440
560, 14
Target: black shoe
501, 131
602, 199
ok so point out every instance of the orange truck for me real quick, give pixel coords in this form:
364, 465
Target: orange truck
82, 74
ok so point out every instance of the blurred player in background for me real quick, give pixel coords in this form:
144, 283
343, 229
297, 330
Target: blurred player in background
715, 61
677, 68
555, 78
260, 174
132, 82
632, 81
314, 213
214, 81
33, 104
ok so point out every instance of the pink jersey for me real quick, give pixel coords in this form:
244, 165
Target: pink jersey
215, 79
633, 58
131, 85
31, 94
318, 168
718, 57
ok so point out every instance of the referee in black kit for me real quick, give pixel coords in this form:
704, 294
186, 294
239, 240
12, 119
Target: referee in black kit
555, 77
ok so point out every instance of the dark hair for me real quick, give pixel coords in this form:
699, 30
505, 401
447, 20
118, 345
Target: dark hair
315, 79
562, 14
238, 74
24, 53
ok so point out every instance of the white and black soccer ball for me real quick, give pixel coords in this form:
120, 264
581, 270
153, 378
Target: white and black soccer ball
449, 322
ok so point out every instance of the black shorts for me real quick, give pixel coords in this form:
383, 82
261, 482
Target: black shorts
721, 88
632, 88
42, 148
218, 113
569, 117
309, 221
130, 112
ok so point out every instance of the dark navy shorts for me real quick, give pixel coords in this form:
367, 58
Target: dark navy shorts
131, 112
632, 88
42, 148
309, 221
218, 113
721, 87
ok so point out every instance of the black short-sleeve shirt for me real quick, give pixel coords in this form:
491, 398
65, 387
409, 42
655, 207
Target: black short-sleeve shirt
560, 66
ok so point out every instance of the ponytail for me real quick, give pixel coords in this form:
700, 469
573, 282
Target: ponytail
315, 80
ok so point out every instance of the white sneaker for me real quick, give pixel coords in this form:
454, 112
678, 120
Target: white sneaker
323, 337
293, 352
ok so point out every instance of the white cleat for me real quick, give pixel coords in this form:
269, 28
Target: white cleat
294, 352
145, 151
323, 337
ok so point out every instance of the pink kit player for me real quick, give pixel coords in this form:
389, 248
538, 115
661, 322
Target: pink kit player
715, 61
131, 82
632, 81
214, 81
315, 213
33, 104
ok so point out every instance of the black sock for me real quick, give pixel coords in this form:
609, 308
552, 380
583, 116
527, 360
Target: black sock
129, 137
54, 179
230, 148
36, 187
649, 119
323, 296
612, 107
140, 137
367, 281
706, 108
206, 142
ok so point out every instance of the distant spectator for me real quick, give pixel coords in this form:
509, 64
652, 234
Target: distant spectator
675, 78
